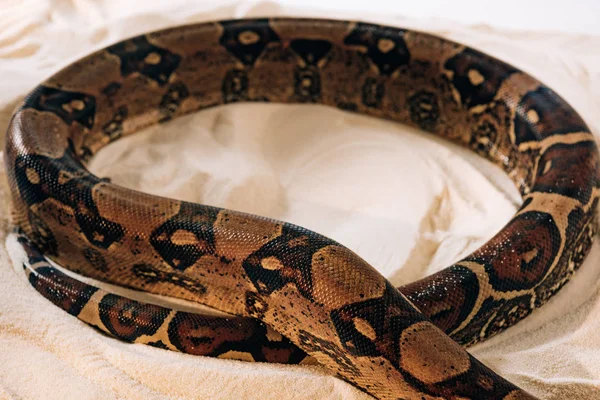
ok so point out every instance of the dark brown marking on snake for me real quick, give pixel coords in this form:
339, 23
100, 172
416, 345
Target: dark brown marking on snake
129, 319
186, 237
33, 253
373, 327
74, 193
235, 86
137, 55
528, 161
508, 313
542, 113
69, 106
247, 41
152, 274
570, 261
476, 383
424, 109
307, 84
293, 251
311, 51
307, 78
484, 137
314, 344
170, 102
518, 256
568, 169
373, 91
193, 334
111, 89
213, 336
96, 259
446, 297
28, 174
44, 238
578, 220
493, 316
67, 293
158, 344
256, 305
384, 47
477, 76
114, 128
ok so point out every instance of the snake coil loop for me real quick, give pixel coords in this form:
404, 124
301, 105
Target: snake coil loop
291, 292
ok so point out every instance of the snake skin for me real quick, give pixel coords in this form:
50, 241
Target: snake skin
291, 292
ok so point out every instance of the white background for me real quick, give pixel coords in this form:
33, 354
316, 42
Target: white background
582, 16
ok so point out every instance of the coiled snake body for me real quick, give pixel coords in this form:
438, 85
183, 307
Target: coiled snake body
306, 293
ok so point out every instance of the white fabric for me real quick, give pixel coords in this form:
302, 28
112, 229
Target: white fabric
408, 203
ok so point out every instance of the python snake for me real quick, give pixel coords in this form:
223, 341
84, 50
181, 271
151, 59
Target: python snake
289, 292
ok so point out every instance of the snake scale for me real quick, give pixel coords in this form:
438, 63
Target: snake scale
289, 292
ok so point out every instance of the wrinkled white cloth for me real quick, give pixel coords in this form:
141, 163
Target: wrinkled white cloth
408, 203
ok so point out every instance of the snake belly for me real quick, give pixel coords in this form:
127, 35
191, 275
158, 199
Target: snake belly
309, 294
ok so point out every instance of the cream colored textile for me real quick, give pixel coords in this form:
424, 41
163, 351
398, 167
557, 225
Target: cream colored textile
406, 202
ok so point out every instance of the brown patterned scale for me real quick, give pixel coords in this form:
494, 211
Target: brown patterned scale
306, 294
